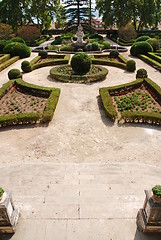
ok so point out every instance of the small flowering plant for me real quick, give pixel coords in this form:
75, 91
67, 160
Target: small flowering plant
157, 191
1, 192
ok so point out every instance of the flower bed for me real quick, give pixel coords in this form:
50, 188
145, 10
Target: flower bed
139, 101
21, 102
66, 74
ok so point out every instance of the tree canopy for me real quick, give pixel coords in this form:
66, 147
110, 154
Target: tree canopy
142, 13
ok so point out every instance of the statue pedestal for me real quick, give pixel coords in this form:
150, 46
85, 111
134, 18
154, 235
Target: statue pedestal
8, 214
149, 217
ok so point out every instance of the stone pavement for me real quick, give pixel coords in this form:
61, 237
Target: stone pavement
78, 201
82, 177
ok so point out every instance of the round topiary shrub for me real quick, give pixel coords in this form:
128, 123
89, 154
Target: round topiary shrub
14, 73
43, 54
114, 54
141, 73
17, 49
131, 66
140, 48
106, 45
58, 40
142, 38
26, 67
3, 43
89, 47
18, 39
81, 63
95, 46
154, 43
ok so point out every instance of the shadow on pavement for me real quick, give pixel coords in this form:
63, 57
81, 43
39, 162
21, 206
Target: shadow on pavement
147, 236
6, 236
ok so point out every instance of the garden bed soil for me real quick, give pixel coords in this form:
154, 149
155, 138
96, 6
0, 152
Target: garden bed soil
17, 101
106, 58
136, 100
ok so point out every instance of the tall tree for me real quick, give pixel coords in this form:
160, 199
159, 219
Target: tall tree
76, 10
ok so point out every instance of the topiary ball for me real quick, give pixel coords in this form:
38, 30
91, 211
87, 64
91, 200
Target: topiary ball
3, 43
89, 47
140, 48
14, 73
43, 54
95, 46
131, 66
141, 73
154, 43
114, 54
81, 63
26, 67
18, 39
142, 38
17, 49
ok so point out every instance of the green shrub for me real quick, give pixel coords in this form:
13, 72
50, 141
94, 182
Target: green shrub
17, 49
18, 39
141, 73
67, 48
131, 66
154, 43
14, 73
1, 191
81, 63
106, 45
95, 46
114, 54
3, 43
8, 62
140, 48
26, 67
157, 191
89, 47
142, 38
43, 54
58, 40
53, 47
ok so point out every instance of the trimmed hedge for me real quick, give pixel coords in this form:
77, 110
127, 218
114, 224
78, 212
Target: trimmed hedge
4, 58
121, 65
43, 54
59, 76
107, 104
30, 118
17, 49
67, 48
56, 59
155, 57
142, 117
8, 63
154, 43
151, 62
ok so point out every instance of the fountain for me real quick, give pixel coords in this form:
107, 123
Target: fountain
79, 44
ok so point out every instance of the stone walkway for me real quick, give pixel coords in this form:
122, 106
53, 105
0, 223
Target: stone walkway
81, 177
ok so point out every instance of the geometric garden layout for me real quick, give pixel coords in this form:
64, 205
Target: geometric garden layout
20, 102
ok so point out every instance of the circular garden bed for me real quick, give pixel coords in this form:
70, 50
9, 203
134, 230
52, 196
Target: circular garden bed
66, 74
